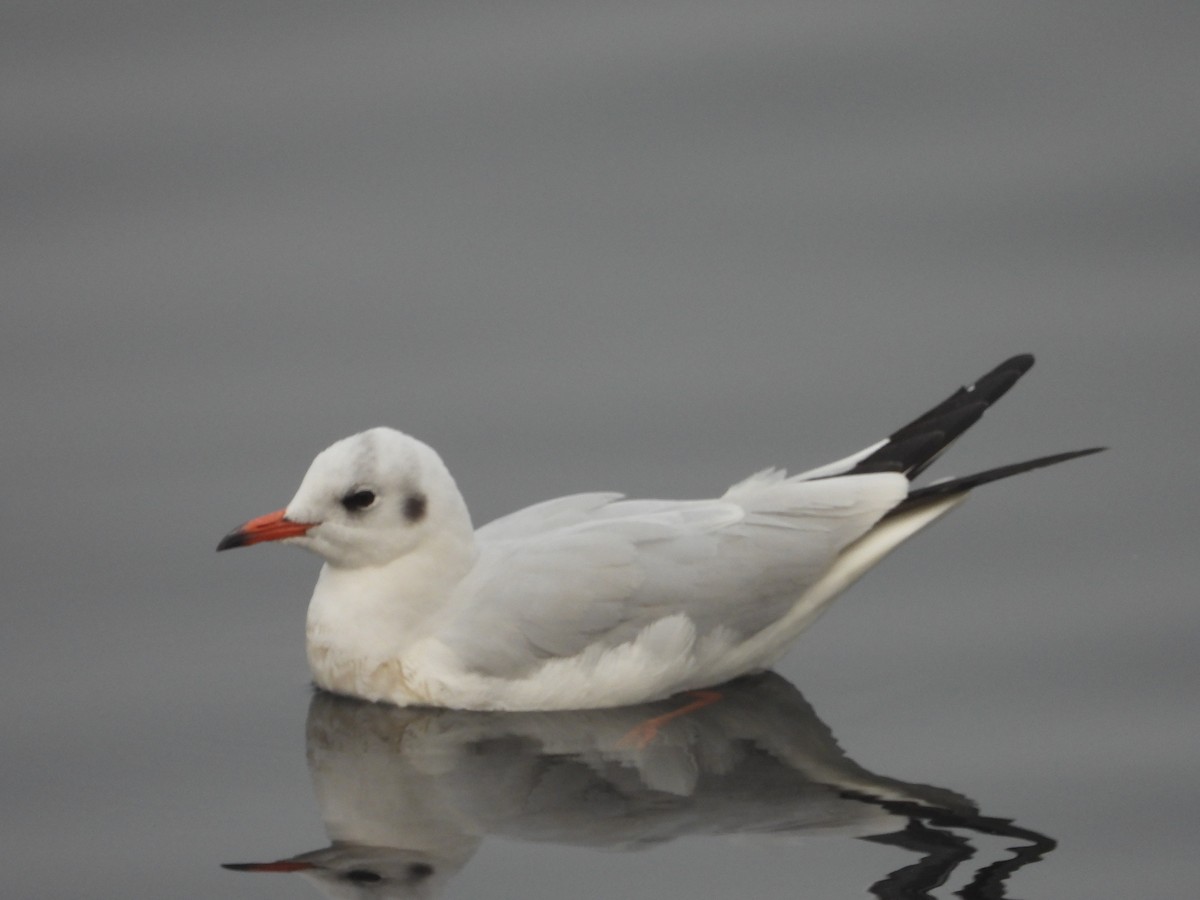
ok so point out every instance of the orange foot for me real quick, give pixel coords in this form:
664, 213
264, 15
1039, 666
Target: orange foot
640, 736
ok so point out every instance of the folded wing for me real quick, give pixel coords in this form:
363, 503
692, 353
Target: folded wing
600, 570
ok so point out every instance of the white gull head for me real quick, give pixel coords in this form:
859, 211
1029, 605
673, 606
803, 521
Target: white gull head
374, 497
367, 501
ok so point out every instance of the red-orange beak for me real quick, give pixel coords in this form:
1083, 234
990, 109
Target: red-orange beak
271, 527
283, 865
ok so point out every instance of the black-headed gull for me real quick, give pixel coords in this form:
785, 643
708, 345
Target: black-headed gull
593, 600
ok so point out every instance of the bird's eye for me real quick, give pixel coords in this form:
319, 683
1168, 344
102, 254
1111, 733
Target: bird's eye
358, 500
362, 876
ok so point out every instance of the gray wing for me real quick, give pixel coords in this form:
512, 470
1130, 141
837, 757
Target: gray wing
600, 570
544, 518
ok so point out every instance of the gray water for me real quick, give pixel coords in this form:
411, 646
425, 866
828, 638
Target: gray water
647, 247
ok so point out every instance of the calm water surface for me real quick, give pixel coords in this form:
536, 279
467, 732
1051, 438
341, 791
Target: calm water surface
407, 797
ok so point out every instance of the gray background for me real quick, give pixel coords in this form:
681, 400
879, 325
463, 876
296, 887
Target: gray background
648, 247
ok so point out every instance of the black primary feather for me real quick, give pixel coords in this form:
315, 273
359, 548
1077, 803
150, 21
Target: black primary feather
913, 447
940, 489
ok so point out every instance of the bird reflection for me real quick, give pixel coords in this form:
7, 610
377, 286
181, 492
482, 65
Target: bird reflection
407, 795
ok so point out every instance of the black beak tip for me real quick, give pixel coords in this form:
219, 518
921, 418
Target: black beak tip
235, 538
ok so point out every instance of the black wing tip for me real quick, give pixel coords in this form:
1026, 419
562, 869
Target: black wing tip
995, 383
955, 486
970, 481
1022, 362
1073, 454
914, 446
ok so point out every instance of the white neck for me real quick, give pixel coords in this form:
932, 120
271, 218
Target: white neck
361, 621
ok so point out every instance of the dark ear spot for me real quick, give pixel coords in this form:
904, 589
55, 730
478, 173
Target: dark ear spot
419, 871
414, 507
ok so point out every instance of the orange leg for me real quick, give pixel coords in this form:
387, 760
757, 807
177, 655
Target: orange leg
644, 733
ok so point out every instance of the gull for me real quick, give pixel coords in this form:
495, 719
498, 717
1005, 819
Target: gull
593, 600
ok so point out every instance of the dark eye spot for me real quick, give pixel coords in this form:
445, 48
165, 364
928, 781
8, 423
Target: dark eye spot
362, 876
414, 507
357, 501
